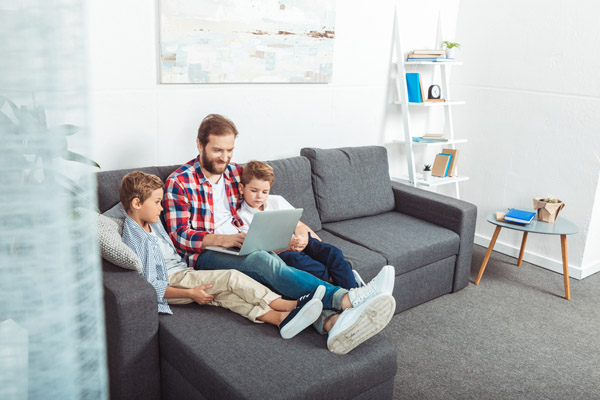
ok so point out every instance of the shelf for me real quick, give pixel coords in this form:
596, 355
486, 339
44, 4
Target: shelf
433, 181
449, 142
433, 63
433, 103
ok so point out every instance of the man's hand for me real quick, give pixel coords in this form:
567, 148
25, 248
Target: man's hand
199, 295
235, 240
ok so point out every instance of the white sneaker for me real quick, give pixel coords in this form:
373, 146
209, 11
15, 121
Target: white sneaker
356, 325
358, 278
300, 318
382, 283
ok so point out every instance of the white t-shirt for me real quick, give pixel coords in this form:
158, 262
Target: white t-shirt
173, 261
274, 202
223, 218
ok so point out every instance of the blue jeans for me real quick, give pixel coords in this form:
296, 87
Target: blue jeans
322, 260
268, 269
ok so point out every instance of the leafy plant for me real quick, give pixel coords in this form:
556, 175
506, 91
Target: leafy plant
450, 45
427, 167
551, 199
27, 127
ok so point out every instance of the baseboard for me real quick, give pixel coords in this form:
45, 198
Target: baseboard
576, 272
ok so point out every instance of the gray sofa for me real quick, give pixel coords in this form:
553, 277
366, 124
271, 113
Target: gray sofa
204, 352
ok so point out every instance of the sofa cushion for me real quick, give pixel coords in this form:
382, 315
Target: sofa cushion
109, 182
233, 358
406, 242
368, 263
350, 182
293, 181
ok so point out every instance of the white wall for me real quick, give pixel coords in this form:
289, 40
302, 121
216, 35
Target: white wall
530, 78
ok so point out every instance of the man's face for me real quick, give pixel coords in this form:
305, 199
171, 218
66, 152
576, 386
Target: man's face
217, 153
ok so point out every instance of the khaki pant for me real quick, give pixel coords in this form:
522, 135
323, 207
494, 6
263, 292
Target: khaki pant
232, 290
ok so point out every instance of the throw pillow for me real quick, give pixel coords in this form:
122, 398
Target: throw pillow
112, 247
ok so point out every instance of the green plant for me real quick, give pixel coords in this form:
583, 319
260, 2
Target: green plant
449, 45
26, 129
551, 199
427, 167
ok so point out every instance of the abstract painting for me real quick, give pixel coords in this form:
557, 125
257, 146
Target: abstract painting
246, 41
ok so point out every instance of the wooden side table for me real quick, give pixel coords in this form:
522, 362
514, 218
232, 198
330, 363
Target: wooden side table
560, 227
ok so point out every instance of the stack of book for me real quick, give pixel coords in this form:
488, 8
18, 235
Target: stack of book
427, 55
430, 138
445, 162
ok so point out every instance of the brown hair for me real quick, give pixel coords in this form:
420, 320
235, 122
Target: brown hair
215, 124
257, 170
139, 185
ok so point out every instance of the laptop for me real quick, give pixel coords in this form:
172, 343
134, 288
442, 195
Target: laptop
269, 230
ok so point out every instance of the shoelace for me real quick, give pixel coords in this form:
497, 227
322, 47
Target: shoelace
361, 293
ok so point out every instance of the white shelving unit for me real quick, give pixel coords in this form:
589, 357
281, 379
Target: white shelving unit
413, 177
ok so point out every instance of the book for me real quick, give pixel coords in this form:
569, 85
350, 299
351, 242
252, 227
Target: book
519, 216
455, 153
413, 87
436, 100
441, 164
422, 139
425, 58
433, 135
436, 52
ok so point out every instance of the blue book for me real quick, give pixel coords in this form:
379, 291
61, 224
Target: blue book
519, 216
413, 87
449, 162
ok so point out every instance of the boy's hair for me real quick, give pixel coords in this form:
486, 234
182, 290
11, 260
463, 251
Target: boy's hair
139, 185
257, 170
215, 124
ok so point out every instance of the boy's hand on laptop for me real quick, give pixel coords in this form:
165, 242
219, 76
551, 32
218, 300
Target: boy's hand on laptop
199, 295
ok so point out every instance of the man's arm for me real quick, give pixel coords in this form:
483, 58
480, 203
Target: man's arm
197, 294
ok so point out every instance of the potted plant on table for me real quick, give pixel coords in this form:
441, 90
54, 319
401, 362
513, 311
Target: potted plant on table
426, 172
450, 48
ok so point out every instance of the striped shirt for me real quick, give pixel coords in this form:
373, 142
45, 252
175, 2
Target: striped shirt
146, 246
188, 204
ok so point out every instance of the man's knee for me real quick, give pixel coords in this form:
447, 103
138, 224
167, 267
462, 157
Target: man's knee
262, 258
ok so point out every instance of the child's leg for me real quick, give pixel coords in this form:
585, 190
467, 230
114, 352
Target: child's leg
333, 259
232, 289
304, 262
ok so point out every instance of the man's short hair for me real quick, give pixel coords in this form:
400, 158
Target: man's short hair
257, 170
139, 185
215, 124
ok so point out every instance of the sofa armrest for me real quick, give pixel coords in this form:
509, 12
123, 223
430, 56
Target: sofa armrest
131, 315
456, 215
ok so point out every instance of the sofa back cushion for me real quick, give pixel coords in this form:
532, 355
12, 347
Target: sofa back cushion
109, 182
293, 181
350, 182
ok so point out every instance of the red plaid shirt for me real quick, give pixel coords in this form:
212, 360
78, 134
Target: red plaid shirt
188, 205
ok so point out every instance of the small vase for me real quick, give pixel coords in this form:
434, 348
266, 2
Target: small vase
426, 175
451, 53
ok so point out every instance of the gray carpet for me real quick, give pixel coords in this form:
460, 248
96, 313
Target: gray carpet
512, 337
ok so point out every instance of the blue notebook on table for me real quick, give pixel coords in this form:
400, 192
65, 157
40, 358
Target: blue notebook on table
519, 216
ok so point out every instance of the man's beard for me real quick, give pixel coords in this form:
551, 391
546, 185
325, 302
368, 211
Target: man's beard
210, 165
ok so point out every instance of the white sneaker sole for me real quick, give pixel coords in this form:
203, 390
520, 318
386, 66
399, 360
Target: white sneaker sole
371, 321
319, 293
305, 318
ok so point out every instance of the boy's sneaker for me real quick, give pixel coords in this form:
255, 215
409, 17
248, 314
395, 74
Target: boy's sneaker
382, 283
300, 318
358, 278
317, 294
356, 325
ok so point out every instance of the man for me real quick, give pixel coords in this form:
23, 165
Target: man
201, 202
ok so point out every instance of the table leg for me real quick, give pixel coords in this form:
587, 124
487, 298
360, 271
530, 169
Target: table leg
522, 249
488, 254
563, 246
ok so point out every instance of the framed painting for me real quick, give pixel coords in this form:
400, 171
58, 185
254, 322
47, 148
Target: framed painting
246, 41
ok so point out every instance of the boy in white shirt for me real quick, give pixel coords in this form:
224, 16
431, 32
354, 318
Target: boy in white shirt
175, 283
306, 250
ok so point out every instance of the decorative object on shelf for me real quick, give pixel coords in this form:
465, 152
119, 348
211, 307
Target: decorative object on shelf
454, 153
450, 48
426, 55
547, 208
426, 172
434, 92
441, 165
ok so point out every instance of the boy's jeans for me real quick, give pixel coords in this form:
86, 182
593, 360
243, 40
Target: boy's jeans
268, 269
